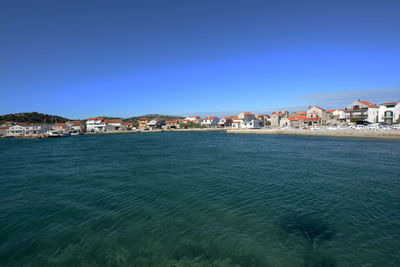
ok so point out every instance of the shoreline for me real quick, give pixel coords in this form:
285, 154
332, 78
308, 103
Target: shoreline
365, 134
382, 135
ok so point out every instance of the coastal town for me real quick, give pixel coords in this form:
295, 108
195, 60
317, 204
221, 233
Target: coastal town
359, 115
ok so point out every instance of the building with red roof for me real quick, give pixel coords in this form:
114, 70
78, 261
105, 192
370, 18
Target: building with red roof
276, 117
98, 124
143, 123
173, 124
361, 111
210, 121
336, 116
319, 113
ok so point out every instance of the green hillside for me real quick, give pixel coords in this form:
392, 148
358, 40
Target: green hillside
32, 117
153, 116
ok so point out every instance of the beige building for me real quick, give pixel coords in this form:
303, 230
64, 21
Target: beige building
247, 116
319, 113
3, 130
276, 118
264, 119
116, 124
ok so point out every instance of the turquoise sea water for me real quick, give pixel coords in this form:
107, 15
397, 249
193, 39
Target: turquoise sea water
199, 199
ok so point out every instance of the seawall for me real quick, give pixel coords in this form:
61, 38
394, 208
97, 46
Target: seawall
379, 134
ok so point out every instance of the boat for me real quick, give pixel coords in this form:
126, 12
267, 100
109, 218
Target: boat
53, 134
75, 132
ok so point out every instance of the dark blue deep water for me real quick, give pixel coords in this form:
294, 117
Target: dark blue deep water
199, 199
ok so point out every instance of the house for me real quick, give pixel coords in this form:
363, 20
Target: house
336, 116
143, 123
358, 111
225, 122
116, 124
155, 124
97, 125
246, 120
192, 118
277, 116
319, 113
15, 130
76, 126
264, 119
251, 124
246, 116
292, 121
210, 121
237, 123
299, 121
174, 124
60, 127
33, 129
128, 125
389, 112
3, 130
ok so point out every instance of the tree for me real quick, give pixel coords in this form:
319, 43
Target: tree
190, 124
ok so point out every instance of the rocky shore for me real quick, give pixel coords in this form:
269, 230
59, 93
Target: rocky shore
348, 133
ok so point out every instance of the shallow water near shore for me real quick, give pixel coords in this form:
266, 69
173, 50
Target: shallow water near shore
199, 199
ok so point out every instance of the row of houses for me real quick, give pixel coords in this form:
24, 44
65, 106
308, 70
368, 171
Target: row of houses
357, 111
11, 128
101, 124
242, 120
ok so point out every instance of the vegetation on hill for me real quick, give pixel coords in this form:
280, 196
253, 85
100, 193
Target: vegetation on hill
153, 117
32, 117
35, 117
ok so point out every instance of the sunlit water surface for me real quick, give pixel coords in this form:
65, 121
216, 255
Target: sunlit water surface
199, 199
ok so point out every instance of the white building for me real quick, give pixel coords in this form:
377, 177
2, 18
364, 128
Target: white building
192, 118
246, 124
389, 112
336, 116
15, 130
97, 125
155, 124
358, 110
237, 123
251, 124
372, 116
210, 121
32, 129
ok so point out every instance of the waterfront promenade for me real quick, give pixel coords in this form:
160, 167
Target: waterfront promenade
350, 133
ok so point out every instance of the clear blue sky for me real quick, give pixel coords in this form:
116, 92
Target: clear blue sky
123, 58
